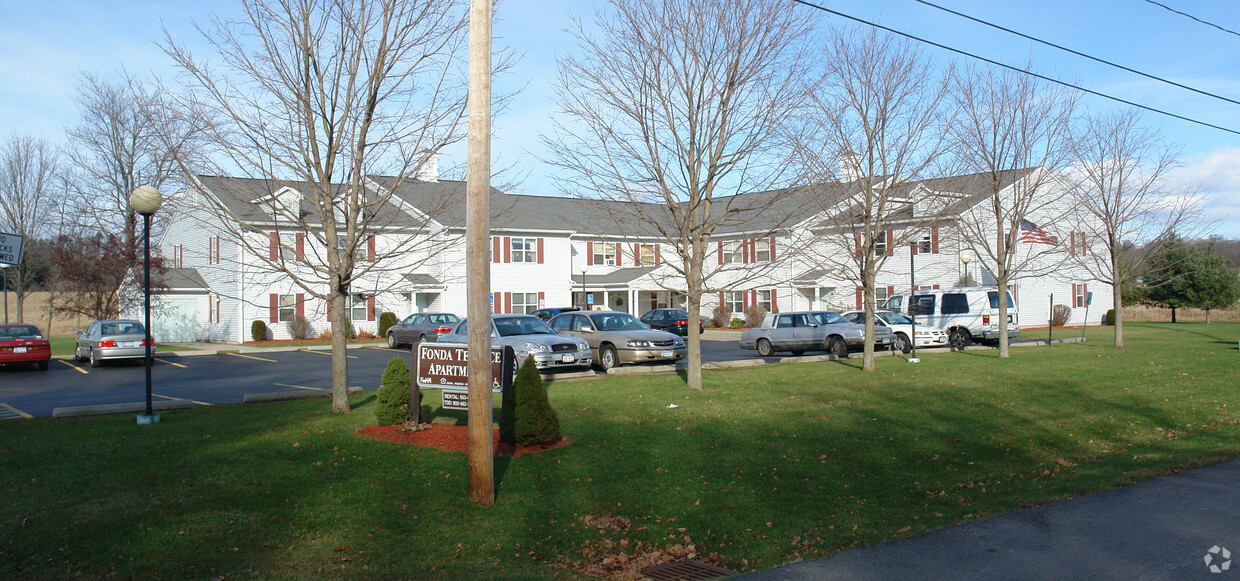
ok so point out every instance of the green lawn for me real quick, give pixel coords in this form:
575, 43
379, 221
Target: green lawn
768, 465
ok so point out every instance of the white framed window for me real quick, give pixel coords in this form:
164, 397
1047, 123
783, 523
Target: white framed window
524, 303
357, 307
733, 251
288, 307
880, 294
924, 245
524, 250
735, 301
880, 245
764, 301
605, 253
1078, 291
646, 254
762, 251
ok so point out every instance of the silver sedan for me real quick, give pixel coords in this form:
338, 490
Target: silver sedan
529, 336
109, 340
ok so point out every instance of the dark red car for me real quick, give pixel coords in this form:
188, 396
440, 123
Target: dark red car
22, 343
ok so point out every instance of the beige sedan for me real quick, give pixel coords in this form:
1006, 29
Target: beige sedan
619, 338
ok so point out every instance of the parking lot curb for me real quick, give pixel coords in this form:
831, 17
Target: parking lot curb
733, 364
119, 408
574, 376
290, 395
643, 369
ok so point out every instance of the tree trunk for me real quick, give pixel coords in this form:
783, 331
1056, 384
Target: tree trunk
340, 350
1003, 319
694, 372
1118, 305
1172, 314
867, 352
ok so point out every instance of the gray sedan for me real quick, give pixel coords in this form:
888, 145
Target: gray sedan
619, 338
109, 340
528, 335
419, 327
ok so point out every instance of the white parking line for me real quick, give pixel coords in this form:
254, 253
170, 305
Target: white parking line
194, 401
8, 412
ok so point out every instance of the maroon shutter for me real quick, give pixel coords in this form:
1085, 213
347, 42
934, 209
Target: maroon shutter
1072, 243
589, 254
891, 290
275, 245
891, 247
497, 302
540, 251
301, 304
774, 303
507, 249
619, 254
542, 297
507, 302
1073, 300
753, 298
370, 308
720, 247
657, 257
772, 260
860, 296
934, 240
495, 252
274, 314
745, 300
637, 255
370, 248
914, 245
857, 245
934, 286
721, 301
301, 247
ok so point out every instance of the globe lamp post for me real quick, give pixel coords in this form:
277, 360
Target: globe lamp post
146, 200
965, 258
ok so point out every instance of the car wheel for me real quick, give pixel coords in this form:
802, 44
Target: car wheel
902, 343
837, 348
960, 339
392, 342
94, 359
607, 357
77, 354
764, 348
43, 365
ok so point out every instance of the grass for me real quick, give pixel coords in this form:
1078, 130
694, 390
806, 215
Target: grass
768, 465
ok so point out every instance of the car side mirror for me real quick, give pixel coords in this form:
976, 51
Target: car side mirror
80, 333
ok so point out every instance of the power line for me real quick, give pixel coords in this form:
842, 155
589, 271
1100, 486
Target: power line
1078, 53
1019, 70
1190, 16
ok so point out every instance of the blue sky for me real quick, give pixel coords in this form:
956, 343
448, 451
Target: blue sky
43, 46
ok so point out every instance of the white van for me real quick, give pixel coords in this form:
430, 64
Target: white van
968, 314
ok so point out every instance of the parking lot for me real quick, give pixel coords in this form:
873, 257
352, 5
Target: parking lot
207, 377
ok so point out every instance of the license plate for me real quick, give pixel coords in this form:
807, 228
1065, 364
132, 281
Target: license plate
667, 354
567, 359
19, 349
127, 343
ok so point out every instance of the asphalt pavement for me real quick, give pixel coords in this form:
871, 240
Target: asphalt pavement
1179, 527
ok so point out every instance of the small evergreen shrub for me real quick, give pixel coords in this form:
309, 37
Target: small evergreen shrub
1060, 315
1109, 318
721, 316
736, 324
534, 421
258, 331
299, 327
754, 315
386, 320
392, 405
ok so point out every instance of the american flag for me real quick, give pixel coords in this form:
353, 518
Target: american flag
1029, 232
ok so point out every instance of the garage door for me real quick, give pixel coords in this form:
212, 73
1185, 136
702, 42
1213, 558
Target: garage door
175, 321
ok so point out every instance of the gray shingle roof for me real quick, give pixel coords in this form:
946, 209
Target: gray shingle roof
184, 279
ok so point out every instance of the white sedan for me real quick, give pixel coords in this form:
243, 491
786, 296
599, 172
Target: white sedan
927, 336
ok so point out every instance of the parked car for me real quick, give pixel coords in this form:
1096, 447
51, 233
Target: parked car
619, 338
419, 327
111, 340
546, 314
671, 320
803, 331
927, 335
968, 314
529, 335
22, 344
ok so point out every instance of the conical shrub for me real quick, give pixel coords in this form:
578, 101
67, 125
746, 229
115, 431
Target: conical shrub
393, 397
535, 421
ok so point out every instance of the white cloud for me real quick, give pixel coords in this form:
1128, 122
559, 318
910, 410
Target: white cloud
1216, 175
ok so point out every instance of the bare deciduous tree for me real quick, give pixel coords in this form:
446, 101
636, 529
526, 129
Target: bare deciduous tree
317, 96
28, 167
878, 128
1012, 136
1120, 176
674, 108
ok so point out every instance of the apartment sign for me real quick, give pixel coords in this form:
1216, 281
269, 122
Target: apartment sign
10, 249
446, 366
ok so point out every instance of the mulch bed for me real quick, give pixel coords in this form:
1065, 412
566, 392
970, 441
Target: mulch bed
452, 438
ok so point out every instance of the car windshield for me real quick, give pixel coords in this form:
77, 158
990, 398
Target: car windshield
509, 326
897, 319
121, 328
20, 332
617, 322
828, 318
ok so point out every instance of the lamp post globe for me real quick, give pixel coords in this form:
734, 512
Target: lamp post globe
145, 200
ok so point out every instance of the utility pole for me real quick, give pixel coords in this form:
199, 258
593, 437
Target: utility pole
477, 248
